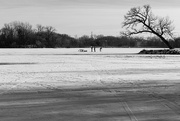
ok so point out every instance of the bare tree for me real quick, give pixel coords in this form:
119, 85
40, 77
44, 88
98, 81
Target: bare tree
49, 30
17, 33
40, 28
141, 20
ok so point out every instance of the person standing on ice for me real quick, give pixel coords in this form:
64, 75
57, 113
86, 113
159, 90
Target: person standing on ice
94, 48
100, 49
91, 48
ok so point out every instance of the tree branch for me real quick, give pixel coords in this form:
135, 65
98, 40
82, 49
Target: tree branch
150, 23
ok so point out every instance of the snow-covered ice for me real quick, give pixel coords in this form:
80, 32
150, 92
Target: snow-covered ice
66, 68
67, 85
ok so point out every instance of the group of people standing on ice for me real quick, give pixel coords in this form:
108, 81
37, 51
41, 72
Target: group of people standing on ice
93, 48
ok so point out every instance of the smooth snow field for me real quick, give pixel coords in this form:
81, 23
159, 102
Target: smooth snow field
116, 84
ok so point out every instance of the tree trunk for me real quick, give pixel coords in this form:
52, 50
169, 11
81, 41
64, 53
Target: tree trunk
165, 42
161, 37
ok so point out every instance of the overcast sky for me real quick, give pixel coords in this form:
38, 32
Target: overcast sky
81, 17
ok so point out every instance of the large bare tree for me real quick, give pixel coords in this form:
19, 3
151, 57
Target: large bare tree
141, 20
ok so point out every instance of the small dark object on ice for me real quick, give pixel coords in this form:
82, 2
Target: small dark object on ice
82, 50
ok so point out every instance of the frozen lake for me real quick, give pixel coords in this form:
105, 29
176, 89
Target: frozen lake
47, 51
29, 68
115, 84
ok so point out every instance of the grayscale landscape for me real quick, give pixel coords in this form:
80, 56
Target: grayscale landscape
90, 60
66, 85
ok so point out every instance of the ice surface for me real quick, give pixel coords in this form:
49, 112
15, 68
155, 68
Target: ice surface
66, 68
67, 85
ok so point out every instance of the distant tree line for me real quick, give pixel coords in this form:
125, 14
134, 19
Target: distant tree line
22, 35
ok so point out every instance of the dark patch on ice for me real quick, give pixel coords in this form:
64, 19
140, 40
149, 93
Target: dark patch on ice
17, 63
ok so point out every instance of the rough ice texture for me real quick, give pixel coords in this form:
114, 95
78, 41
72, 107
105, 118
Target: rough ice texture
67, 85
62, 68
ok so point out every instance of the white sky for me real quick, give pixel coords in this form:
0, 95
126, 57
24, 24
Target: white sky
81, 17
